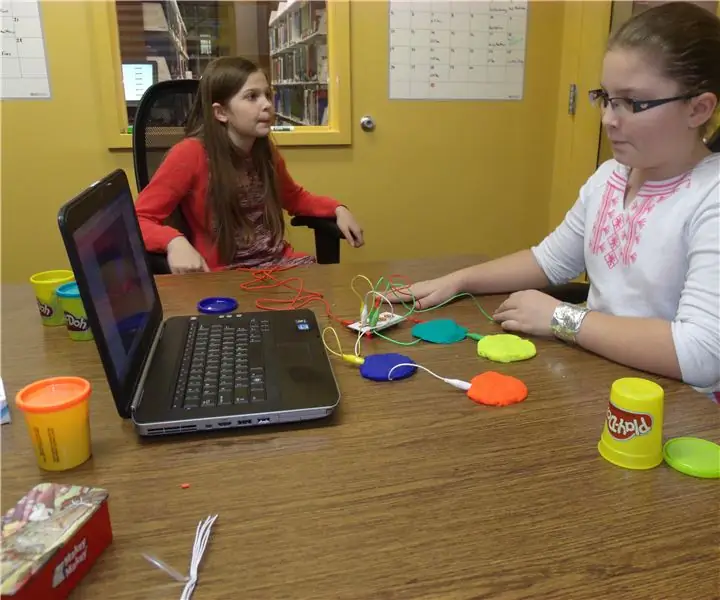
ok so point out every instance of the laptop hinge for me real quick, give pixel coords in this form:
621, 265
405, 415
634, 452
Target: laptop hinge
140, 388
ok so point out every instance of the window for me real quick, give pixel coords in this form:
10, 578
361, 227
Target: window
172, 39
299, 63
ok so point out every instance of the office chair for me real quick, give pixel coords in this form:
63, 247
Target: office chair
159, 124
714, 142
577, 292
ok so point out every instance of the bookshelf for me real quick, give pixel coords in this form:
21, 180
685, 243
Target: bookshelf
299, 62
117, 36
151, 32
165, 38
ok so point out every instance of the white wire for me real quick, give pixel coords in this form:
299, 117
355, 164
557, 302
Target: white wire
363, 328
202, 535
382, 297
456, 383
414, 365
387, 301
361, 333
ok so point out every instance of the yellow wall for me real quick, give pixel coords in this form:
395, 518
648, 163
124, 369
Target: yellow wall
53, 149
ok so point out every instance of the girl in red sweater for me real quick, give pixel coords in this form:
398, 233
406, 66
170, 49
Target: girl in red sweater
230, 182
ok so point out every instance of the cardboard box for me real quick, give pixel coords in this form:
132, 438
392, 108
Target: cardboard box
51, 539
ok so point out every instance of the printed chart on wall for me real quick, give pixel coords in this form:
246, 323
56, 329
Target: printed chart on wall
457, 50
24, 72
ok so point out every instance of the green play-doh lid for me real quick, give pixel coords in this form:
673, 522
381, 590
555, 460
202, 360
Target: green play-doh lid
693, 456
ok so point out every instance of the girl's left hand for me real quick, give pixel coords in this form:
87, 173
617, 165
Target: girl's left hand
349, 226
528, 312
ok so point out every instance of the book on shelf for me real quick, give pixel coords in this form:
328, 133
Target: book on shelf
303, 63
298, 25
299, 62
302, 106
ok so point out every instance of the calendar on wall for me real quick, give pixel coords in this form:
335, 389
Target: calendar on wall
23, 72
457, 50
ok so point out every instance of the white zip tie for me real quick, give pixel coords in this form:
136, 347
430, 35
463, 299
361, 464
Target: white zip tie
163, 566
202, 535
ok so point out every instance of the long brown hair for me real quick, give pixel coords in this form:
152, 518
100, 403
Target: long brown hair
684, 39
222, 79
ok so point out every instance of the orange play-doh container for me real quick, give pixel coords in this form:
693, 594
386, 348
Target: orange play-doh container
57, 416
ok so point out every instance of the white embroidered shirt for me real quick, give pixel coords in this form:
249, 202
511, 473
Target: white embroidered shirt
658, 257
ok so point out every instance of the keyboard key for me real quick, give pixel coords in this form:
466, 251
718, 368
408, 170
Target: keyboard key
192, 401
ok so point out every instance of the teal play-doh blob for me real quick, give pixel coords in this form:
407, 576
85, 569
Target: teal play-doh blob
440, 331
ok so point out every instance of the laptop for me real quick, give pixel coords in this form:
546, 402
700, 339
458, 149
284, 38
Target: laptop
191, 373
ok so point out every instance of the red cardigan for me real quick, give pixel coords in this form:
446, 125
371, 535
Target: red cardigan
182, 180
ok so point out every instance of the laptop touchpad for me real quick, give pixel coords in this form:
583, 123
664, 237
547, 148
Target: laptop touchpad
296, 360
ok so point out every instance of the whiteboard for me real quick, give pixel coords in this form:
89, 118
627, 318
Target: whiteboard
457, 50
23, 71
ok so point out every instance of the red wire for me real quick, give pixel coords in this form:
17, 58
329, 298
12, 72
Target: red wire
264, 279
408, 283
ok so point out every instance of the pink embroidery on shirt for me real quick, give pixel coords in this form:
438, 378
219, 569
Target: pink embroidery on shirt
613, 188
611, 259
616, 235
633, 237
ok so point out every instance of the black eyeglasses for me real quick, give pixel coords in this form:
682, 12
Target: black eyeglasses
601, 99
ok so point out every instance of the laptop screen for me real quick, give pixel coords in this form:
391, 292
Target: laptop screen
119, 283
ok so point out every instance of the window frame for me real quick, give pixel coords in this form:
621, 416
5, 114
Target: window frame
105, 41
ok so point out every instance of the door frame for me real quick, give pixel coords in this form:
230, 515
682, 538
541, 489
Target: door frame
586, 30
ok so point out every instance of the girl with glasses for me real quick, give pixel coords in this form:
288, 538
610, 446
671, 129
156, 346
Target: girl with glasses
646, 225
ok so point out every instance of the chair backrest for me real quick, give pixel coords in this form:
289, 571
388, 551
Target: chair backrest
160, 122
714, 142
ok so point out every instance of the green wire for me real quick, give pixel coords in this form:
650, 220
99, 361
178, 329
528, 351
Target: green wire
482, 310
412, 309
380, 335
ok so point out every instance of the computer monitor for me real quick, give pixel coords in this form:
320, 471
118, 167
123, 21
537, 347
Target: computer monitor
138, 77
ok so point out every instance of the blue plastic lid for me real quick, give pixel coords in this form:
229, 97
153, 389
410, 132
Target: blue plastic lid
68, 290
217, 305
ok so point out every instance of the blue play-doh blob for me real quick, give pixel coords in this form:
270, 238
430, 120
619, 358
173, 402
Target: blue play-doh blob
377, 367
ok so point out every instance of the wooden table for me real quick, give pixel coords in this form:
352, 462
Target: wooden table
410, 491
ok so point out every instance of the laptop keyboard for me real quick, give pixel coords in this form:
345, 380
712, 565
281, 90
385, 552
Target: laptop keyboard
222, 364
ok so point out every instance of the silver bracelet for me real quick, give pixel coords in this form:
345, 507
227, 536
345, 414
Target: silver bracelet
566, 321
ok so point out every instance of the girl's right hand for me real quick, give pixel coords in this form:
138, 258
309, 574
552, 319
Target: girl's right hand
183, 258
428, 293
